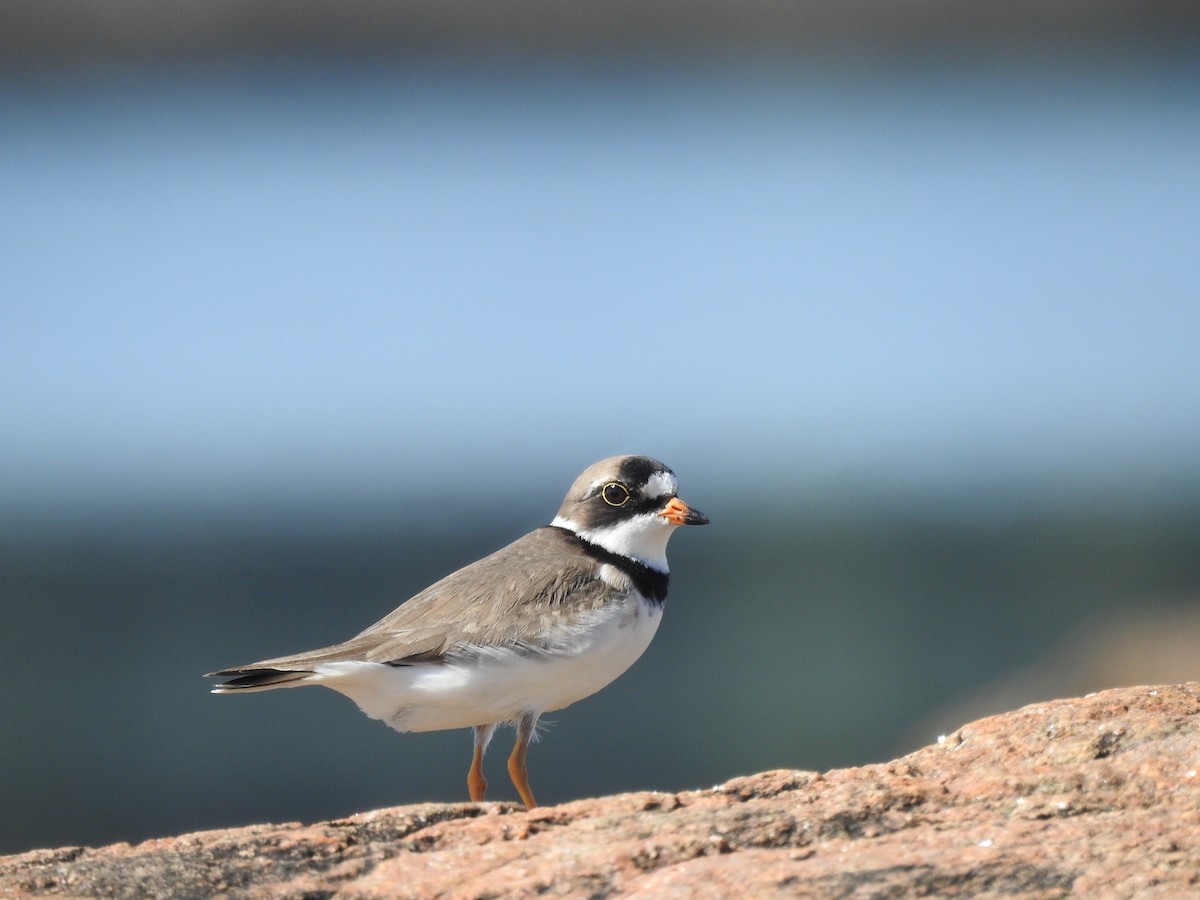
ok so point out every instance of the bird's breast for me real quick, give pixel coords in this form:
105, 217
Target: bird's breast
480, 685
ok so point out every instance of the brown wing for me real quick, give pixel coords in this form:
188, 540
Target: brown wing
504, 599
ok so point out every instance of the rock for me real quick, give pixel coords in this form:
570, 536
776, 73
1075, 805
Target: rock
1154, 641
1097, 796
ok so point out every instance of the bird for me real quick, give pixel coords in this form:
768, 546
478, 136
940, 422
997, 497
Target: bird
531, 628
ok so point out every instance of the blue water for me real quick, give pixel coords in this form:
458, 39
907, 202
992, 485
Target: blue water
430, 294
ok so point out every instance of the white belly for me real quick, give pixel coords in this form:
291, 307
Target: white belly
499, 685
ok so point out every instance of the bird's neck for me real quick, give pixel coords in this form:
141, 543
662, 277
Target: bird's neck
649, 581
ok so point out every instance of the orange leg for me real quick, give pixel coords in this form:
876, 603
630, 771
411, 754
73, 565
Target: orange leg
476, 783
516, 762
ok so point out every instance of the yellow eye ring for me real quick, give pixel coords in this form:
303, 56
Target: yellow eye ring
615, 494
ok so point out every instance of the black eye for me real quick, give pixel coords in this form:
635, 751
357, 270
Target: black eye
615, 494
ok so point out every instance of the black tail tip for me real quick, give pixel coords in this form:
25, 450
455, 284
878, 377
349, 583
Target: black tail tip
241, 678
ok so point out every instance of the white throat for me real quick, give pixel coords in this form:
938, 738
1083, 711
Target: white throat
643, 538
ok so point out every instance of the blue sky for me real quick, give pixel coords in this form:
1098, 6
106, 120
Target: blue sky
368, 277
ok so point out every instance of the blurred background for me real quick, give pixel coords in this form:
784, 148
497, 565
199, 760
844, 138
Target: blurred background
304, 305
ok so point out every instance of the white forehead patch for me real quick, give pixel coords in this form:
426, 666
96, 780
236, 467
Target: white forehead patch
595, 485
661, 484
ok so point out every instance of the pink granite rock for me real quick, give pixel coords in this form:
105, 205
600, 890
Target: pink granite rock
1097, 796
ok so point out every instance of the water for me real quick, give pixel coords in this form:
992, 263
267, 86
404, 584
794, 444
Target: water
279, 345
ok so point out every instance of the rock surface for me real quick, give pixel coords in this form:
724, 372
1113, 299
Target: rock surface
1097, 796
